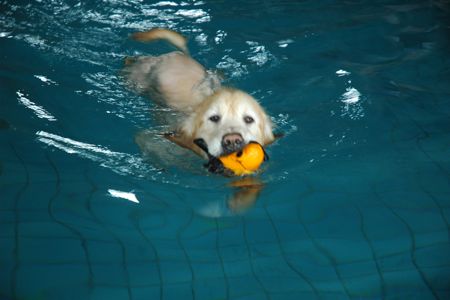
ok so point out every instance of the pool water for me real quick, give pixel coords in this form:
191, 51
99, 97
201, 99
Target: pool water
356, 195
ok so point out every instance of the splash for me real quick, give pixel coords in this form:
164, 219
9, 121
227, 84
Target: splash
259, 54
284, 43
351, 99
351, 96
118, 162
45, 80
236, 68
341, 73
38, 110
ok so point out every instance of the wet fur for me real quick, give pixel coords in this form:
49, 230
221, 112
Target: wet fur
181, 83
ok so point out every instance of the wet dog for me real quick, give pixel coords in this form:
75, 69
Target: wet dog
225, 118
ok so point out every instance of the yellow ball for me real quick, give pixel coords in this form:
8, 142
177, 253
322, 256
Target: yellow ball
246, 161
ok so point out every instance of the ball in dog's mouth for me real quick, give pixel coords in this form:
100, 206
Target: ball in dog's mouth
245, 161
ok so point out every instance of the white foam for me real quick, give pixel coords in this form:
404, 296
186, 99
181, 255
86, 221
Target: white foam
39, 111
192, 13
118, 162
341, 73
260, 55
45, 79
202, 39
165, 3
236, 68
284, 43
5, 34
351, 96
220, 36
352, 101
76, 144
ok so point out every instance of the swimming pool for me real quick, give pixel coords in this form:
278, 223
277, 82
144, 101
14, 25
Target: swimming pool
356, 198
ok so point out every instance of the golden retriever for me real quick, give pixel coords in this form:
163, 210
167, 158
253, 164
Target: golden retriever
225, 118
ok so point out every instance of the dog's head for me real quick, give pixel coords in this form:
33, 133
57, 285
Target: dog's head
227, 121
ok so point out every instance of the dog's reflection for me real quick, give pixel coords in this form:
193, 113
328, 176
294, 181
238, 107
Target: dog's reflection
247, 190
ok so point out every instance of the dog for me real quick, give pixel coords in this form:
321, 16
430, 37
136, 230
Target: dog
226, 118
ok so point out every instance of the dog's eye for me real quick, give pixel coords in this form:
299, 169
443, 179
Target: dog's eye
214, 118
248, 119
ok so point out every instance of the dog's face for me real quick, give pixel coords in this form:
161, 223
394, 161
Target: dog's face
227, 121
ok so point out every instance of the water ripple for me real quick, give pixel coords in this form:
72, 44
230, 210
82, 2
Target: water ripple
38, 110
118, 162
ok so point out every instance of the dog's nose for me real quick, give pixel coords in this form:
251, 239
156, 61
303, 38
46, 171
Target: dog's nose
232, 142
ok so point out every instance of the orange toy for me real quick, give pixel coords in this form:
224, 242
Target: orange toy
246, 161
239, 163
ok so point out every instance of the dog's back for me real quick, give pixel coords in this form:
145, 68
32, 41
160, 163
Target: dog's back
173, 79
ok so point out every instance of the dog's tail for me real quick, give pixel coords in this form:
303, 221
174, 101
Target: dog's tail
168, 35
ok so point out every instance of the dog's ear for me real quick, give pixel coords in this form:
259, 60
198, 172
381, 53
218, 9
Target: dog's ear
270, 136
276, 136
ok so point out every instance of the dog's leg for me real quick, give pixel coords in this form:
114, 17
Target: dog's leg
181, 140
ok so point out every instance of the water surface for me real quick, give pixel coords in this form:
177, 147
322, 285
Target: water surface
356, 198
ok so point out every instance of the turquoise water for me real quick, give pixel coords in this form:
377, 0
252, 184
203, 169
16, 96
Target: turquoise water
356, 197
